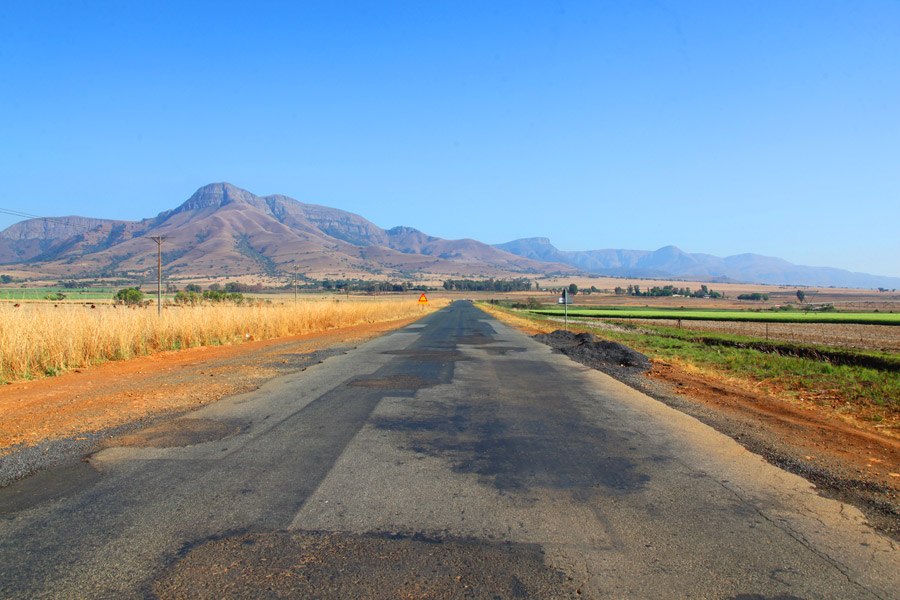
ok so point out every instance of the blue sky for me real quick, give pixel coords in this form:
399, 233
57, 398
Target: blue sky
719, 127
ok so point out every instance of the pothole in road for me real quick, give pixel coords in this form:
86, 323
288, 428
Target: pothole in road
179, 432
393, 382
327, 565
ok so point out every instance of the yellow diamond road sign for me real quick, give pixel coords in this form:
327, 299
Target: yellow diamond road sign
423, 299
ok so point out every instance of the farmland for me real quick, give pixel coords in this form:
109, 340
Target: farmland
71, 295
838, 335
769, 316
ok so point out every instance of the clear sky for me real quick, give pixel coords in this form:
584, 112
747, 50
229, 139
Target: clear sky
720, 127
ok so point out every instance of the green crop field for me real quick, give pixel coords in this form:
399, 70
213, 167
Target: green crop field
629, 312
70, 294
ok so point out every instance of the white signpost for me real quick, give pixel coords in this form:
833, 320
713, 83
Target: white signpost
565, 300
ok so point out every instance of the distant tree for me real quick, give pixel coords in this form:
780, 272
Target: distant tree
801, 295
218, 296
620, 291
488, 285
667, 290
214, 287
71, 284
573, 289
187, 297
193, 287
6, 279
129, 296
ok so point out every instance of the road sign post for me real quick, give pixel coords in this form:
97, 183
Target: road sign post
564, 300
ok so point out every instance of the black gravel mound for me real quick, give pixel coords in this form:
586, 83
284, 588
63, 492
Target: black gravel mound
591, 351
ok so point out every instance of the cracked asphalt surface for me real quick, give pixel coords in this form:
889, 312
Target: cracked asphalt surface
454, 458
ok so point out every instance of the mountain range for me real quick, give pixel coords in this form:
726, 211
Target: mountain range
671, 262
225, 231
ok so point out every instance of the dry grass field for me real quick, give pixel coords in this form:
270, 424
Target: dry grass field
42, 339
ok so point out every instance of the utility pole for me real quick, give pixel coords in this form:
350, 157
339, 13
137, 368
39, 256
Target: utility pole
295, 284
159, 240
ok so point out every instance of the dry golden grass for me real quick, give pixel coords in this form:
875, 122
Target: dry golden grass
39, 339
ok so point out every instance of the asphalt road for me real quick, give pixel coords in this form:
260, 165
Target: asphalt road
455, 458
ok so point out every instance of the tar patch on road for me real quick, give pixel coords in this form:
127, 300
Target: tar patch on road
477, 338
393, 382
425, 355
328, 565
518, 448
179, 432
51, 485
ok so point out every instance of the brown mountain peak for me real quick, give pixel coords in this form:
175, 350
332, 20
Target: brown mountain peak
216, 195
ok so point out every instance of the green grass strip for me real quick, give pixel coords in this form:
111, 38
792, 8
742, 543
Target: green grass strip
845, 318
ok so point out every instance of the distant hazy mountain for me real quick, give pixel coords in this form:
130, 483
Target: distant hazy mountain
670, 261
224, 230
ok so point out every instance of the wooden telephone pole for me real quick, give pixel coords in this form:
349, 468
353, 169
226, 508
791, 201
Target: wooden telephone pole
159, 240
